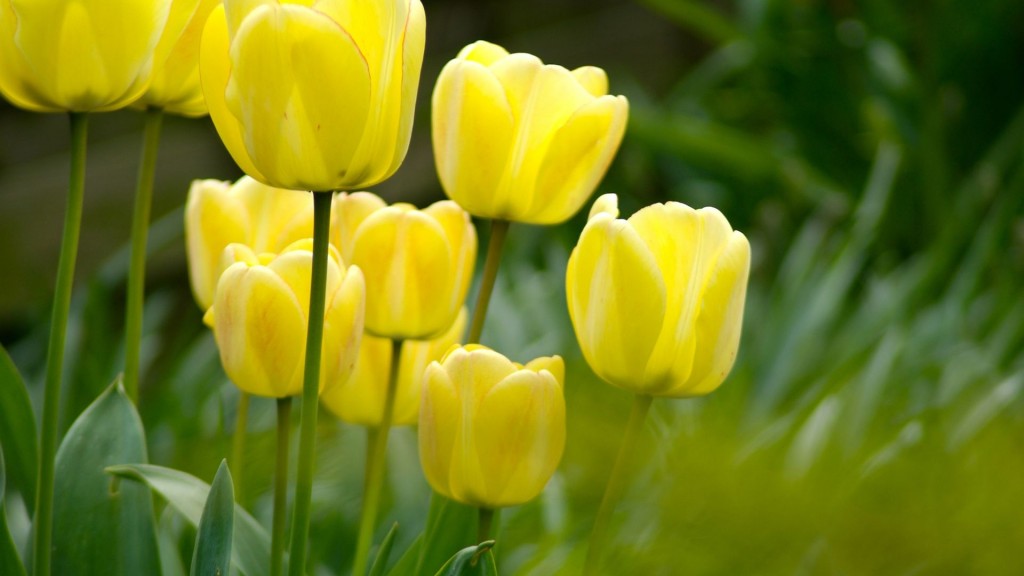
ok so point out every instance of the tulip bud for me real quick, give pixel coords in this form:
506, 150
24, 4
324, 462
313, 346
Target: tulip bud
259, 319
360, 398
418, 263
518, 140
491, 431
175, 87
657, 300
219, 213
316, 95
87, 55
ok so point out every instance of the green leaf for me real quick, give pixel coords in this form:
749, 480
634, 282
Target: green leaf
381, 561
212, 554
102, 525
250, 548
450, 527
10, 561
473, 561
18, 429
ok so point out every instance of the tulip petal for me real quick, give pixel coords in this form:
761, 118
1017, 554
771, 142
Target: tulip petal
294, 130
279, 216
461, 237
214, 70
482, 52
520, 436
344, 321
348, 213
359, 399
294, 266
594, 79
175, 85
260, 331
617, 300
685, 242
441, 414
553, 364
720, 320
578, 157
472, 134
416, 356
214, 218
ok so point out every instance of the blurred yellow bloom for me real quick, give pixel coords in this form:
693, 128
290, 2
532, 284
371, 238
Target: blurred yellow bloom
175, 84
219, 213
491, 431
518, 140
317, 95
657, 300
418, 263
360, 398
259, 319
85, 55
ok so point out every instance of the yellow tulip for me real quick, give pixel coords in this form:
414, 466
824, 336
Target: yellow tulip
360, 399
175, 87
518, 140
491, 431
317, 95
85, 55
219, 213
259, 319
657, 300
418, 263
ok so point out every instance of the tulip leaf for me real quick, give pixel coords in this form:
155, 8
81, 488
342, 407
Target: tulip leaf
102, 525
17, 429
450, 526
472, 561
250, 548
212, 554
10, 561
381, 561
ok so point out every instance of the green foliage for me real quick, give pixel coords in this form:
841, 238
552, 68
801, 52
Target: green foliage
17, 429
250, 548
472, 561
212, 555
10, 560
383, 552
102, 525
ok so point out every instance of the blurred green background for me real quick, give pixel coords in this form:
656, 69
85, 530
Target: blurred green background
874, 423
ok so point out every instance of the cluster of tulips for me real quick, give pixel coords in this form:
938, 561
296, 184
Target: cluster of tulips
316, 288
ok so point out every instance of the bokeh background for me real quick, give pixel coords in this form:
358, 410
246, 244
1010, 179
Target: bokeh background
874, 423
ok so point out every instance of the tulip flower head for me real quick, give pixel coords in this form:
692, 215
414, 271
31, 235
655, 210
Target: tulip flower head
85, 55
175, 87
259, 319
317, 95
219, 213
515, 139
657, 300
491, 431
418, 263
360, 398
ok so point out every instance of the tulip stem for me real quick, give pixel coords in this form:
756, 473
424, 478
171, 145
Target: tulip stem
137, 264
311, 383
616, 483
55, 351
499, 230
284, 414
483, 530
238, 445
376, 460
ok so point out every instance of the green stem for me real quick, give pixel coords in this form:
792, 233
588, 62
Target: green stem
55, 351
284, 413
137, 265
376, 460
311, 383
437, 503
616, 483
483, 530
238, 445
499, 230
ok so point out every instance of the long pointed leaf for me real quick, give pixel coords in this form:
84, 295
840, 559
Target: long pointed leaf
212, 554
472, 561
101, 525
17, 429
381, 561
10, 561
250, 549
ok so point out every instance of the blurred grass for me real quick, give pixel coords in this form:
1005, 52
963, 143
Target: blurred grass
872, 151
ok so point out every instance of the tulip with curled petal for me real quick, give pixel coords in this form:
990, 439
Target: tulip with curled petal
657, 300
259, 319
518, 140
491, 431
